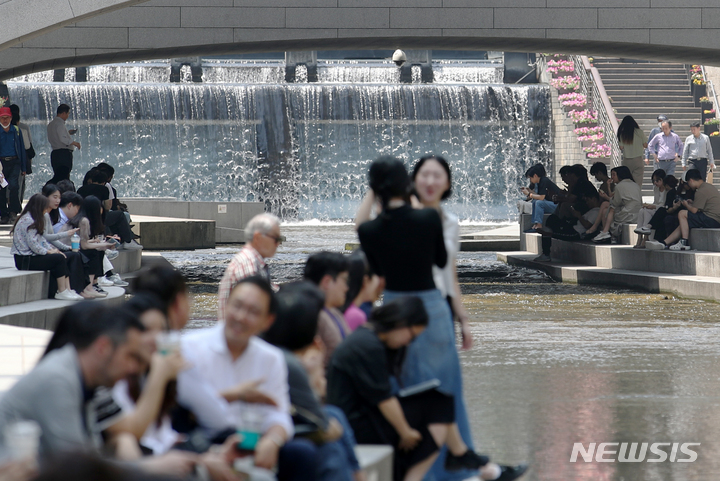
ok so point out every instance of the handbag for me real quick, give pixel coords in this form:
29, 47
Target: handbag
30, 154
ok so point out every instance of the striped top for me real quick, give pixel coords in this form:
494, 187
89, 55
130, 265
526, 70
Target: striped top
28, 242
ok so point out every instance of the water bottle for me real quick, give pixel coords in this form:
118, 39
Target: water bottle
250, 429
75, 242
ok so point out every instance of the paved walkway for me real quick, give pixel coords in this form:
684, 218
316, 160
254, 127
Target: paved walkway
20, 349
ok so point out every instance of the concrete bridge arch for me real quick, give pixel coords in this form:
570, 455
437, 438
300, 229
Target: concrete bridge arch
89, 32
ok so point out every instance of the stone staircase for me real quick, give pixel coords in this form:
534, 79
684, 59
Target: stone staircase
647, 89
24, 294
693, 274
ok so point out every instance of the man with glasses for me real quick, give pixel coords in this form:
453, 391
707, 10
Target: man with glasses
262, 237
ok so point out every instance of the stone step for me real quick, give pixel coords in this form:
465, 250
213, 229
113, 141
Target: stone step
671, 112
614, 63
20, 287
626, 86
641, 72
43, 314
691, 286
654, 102
648, 76
700, 262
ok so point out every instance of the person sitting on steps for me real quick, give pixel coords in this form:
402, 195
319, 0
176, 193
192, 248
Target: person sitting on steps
657, 223
557, 229
648, 210
702, 213
624, 206
539, 195
605, 191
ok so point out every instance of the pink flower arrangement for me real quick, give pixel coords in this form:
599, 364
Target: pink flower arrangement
571, 96
583, 116
588, 130
596, 151
593, 138
571, 83
573, 100
555, 66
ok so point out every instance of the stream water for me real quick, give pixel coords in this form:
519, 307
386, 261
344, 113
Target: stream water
554, 364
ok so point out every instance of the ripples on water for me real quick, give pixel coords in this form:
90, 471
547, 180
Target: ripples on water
553, 364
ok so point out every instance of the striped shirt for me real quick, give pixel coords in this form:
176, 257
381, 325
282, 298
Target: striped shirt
28, 242
248, 262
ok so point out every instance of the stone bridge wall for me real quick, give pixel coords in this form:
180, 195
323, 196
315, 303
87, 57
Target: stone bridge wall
684, 31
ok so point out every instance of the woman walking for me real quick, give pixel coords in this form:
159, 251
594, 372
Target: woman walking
633, 143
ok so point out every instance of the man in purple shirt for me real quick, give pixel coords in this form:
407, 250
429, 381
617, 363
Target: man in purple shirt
667, 148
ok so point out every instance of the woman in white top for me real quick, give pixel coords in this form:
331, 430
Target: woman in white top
431, 176
633, 143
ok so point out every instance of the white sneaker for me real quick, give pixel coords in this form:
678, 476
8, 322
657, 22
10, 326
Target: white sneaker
78, 297
654, 245
66, 295
131, 246
117, 280
111, 254
680, 245
601, 237
104, 281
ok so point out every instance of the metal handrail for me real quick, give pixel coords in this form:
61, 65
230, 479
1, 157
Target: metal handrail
711, 87
599, 101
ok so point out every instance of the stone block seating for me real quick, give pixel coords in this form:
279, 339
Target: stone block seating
23, 294
694, 274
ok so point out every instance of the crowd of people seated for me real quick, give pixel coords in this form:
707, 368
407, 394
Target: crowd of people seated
290, 379
43, 232
583, 212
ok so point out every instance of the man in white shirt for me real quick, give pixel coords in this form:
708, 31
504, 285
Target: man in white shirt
61, 157
234, 372
70, 203
698, 153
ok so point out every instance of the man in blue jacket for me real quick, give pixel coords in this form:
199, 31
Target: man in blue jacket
13, 160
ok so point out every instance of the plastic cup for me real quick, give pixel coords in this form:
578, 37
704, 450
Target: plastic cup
168, 342
23, 439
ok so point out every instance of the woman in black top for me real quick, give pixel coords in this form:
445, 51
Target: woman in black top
402, 244
658, 219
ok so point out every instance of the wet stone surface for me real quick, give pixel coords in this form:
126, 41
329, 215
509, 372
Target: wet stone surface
556, 364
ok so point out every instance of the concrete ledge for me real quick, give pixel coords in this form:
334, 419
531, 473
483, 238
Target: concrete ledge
44, 314
691, 263
227, 215
690, 286
127, 261
628, 236
489, 245
705, 239
226, 235
164, 233
376, 460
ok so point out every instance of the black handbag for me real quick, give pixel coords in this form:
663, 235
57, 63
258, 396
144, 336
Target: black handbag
30, 153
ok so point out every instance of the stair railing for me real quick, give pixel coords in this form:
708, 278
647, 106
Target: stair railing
591, 85
710, 88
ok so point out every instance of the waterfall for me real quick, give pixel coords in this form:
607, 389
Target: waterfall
304, 149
